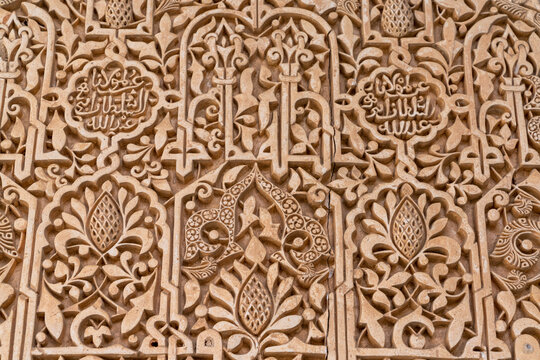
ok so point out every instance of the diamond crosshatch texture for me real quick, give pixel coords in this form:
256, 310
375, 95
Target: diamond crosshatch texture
269, 179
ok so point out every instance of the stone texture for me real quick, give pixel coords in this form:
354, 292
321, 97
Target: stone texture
269, 179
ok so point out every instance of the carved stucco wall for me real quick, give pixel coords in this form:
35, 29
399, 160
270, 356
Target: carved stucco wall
270, 179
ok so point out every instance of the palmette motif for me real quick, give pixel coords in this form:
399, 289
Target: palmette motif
270, 179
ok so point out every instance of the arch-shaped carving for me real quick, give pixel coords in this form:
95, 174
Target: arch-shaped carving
234, 112
101, 267
22, 87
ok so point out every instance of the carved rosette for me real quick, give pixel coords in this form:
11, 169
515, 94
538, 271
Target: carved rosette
101, 271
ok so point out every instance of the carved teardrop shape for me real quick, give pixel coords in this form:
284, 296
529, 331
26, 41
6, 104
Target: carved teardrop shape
397, 18
255, 305
105, 222
408, 228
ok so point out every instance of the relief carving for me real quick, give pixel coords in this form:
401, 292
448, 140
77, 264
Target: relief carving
410, 275
101, 271
111, 98
269, 179
258, 264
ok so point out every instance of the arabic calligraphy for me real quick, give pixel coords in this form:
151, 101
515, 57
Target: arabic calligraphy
399, 105
111, 100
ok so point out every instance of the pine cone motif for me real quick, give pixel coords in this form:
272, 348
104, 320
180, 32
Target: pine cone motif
105, 222
408, 228
255, 306
119, 13
397, 18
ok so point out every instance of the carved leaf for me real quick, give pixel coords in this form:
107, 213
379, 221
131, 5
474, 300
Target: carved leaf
197, 77
222, 296
316, 74
449, 44
283, 289
317, 294
507, 302
248, 217
192, 292
460, 316
50, 307
531, 310
270, 231
347, 38
369, 317
162, 131
115, 272
245, 100
218, 313
289, 305
61, 9
231, 176
140, 305
457, 130
255, 251
272, 276
246, 136
535, 295
268, 99
286, 324
66, 236
18, 132
484, 82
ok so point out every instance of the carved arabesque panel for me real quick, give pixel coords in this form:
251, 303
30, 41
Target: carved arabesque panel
269, 179
101, 268
412, 273
256, 263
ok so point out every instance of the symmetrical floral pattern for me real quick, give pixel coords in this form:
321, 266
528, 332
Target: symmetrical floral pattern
408, 262
103, 255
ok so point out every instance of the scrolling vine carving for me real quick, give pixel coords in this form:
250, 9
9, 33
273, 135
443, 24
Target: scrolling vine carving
269, 179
